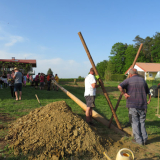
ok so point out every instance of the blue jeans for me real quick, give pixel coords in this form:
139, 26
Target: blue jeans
138, 125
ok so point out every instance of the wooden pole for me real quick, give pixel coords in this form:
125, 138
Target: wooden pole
38, 99
95, 115
100, 81
158, 104
120, 97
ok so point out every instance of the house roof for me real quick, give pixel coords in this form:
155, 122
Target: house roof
147, 67
30, 61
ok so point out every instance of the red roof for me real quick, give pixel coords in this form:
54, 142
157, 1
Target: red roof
30, 61
147, 67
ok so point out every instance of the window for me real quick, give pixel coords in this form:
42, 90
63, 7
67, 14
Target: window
150, 75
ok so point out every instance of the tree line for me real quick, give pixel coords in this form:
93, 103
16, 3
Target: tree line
122, 55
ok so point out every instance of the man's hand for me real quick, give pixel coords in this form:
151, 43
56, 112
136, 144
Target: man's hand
123, 92
126, 95
149, 102
149, 95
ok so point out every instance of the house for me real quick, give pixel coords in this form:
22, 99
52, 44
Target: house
147, 70
9, 64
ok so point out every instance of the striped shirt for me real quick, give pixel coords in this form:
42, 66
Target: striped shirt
138, 89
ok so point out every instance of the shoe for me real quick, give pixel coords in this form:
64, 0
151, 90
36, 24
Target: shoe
145, 143
91, 123
133, 141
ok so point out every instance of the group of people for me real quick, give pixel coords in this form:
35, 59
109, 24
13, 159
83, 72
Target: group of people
52, 77
135, 90
39, 80
17, 79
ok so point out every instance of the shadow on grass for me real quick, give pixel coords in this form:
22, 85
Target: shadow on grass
153, 123
101, 130
155, 139
158, 157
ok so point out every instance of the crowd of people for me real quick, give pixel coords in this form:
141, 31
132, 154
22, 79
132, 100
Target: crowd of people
17, 79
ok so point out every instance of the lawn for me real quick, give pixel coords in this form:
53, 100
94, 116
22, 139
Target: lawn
11, 109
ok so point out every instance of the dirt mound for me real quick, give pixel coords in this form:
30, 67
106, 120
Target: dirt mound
53, 132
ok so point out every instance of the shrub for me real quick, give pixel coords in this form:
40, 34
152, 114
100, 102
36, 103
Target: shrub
118, 77
114, 77
71, 79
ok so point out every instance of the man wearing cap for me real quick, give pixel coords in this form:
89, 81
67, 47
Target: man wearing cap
136, 95
90, 93
17, 83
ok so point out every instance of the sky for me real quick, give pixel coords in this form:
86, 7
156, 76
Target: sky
48, 30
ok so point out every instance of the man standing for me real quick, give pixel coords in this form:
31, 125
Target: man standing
56, 79
90, 93
36, 80
49, 81
136, 95
17, 83
41, 81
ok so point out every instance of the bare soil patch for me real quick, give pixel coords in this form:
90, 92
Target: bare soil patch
54, 131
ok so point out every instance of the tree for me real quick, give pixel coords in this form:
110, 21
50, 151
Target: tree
138, 40
101, 67
49, 71
118, 57
155, 49
147, 44
130, 54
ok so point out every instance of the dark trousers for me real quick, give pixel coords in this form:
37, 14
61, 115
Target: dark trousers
49, 84
12, 91
5, 85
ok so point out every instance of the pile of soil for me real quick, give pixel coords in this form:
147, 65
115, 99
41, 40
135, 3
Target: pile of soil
54, 132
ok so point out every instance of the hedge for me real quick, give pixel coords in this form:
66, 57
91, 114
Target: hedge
118, 77
71, 79
114, 77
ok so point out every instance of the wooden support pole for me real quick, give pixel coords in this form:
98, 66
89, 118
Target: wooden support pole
100, 81
95, 115
120, 97
158, 103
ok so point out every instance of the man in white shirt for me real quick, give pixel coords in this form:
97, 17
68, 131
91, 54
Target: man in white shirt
90, 93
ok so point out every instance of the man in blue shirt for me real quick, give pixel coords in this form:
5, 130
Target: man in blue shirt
136, 95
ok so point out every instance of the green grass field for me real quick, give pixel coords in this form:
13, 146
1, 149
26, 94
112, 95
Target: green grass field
29, 102
14, 109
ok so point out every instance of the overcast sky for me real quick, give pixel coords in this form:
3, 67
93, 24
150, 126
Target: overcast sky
46, 30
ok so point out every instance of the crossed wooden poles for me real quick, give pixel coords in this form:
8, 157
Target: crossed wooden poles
101, 82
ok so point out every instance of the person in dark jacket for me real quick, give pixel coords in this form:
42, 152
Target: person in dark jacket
136, 95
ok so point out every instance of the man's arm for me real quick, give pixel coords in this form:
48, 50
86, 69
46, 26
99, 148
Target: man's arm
95, 85
14, 76
123, 92
149, 95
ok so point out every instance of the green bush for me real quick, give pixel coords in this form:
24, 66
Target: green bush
114, 77
71, 79
118, 77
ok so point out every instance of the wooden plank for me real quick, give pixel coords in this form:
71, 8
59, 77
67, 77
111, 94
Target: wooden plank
100, 81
